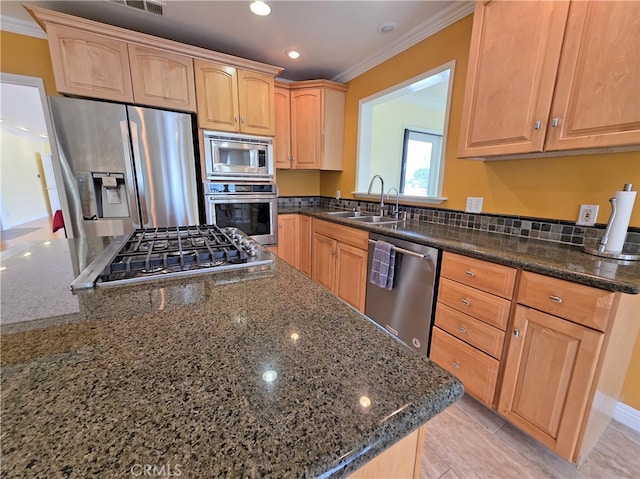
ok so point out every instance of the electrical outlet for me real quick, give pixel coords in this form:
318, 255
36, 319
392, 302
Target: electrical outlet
474, 204
337, 194
588, 215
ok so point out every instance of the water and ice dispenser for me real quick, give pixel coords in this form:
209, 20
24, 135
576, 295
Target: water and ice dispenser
103, 195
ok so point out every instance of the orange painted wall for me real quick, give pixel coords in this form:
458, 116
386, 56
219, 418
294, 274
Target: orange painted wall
23, 55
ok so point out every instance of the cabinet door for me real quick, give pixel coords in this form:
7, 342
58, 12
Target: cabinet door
89, 65
597, 97
351, 271
288, 242
548, 375
306, 128
282, 140
162, 79
304, 227
216, 96
255, 102
515, 49
324, 261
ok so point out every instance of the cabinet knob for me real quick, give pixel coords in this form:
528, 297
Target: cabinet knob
555, 122
469, 273
555, 299
242, 119
455, 365
466, 302
462, 329
235, 118
516, 333
537, 125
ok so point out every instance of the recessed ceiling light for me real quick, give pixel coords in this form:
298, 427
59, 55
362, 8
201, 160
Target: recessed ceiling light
42, 135
387, 27
293, 54
23, 128
260, 8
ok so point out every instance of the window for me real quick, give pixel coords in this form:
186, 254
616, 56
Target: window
420, 163
402, 134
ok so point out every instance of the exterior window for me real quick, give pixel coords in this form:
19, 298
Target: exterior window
420, 163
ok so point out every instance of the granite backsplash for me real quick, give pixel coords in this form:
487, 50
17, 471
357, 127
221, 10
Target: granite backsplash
545, 229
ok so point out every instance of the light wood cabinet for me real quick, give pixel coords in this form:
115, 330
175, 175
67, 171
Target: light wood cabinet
472, 312
282, 140
549, 76
294, 241
162, 79
90, 65
339, 261
569, 348
403, 460
316, 125
234, 100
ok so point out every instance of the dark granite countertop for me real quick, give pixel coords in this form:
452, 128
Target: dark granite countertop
180, 375
545, 257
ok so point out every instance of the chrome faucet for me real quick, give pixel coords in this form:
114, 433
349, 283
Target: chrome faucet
396, 210
381, 192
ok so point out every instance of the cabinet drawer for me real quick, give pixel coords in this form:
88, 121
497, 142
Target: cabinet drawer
477, 371
345, 234
492, 278
576, 302
483, 306
470, 330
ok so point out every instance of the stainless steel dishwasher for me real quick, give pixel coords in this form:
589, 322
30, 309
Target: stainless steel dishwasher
405, 310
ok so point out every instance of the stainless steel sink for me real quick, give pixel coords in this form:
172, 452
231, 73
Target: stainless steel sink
381, 220
345, 214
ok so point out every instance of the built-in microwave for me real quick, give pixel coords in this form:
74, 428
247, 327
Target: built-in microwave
232, 157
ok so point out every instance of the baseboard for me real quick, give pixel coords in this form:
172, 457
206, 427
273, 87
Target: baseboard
627, 415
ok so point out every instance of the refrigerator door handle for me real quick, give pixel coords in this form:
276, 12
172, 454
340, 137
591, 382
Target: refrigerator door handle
126, 149
137, 161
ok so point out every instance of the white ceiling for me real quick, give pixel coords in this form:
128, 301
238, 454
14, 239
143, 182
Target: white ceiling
338, 40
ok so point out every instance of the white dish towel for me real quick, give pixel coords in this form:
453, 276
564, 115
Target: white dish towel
383, 265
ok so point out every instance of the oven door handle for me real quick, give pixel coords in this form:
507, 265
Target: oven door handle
238, 198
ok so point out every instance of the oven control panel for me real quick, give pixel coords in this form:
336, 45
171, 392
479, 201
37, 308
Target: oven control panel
239, 188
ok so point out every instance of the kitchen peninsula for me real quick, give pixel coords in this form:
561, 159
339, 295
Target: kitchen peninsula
233, 374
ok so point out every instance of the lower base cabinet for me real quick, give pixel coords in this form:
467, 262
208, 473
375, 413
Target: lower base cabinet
339, 261
403, 460
294, 241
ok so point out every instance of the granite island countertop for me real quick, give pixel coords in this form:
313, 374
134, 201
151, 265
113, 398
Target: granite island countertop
545, 257
232, 374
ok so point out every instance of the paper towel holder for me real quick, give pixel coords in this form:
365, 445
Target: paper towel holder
600, 250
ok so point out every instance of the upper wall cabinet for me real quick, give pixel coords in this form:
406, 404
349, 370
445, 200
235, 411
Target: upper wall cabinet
551, 76
282, 141
96, 60
162, 78
316, 125
235, 100
91, 65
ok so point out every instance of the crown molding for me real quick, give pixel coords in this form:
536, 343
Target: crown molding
24, 27
456, 11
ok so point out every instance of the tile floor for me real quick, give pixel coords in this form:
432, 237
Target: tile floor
44, 231
469, 440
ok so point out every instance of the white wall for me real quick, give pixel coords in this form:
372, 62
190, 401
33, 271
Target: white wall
22, 198
390, 120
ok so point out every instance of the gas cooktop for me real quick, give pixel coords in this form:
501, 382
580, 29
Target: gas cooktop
148, 254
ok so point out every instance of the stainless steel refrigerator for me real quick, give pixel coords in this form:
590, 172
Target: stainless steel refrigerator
124, 167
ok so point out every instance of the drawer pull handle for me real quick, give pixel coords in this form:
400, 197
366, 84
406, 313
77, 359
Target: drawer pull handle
469, 273
455, 365
555, 299
466, 302
516, 333
462, 329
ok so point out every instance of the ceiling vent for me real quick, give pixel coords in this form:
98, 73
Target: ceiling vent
150, 6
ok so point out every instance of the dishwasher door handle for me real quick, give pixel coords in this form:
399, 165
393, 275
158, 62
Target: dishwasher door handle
402, 250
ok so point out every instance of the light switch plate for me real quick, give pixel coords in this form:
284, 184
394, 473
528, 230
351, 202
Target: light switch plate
474, 204
588, 215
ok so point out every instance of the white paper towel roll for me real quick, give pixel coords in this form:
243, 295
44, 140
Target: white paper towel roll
618, 233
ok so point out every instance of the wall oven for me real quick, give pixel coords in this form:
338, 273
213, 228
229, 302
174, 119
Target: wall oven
250, 207
232, 157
